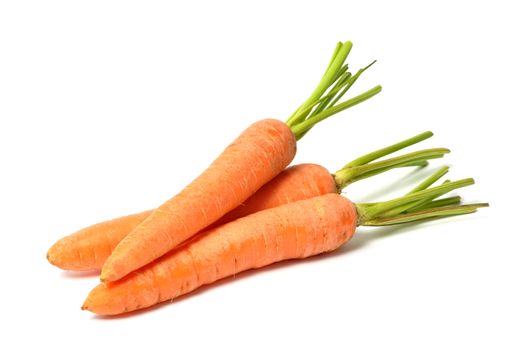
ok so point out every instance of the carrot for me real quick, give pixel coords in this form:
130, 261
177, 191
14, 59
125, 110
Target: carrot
292, 231
88, 248
260, 153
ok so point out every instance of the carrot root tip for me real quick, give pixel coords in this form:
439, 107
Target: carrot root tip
105, 276
53, 259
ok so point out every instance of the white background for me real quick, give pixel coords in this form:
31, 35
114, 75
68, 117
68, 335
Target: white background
111, 107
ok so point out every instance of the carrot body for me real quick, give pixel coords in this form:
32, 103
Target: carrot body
296, 183
89, 248
290, 231
260, 153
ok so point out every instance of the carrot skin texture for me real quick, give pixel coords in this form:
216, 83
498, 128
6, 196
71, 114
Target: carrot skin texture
89, 248
297, 182
291, 231
260, 153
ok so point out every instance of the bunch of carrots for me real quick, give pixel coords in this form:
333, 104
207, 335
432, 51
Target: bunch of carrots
249, 209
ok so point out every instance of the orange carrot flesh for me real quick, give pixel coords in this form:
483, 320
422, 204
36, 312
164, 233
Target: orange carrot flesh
89, 248
298, 182
260, 153
295, 230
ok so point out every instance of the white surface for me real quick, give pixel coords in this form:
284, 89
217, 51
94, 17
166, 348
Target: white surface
107, 108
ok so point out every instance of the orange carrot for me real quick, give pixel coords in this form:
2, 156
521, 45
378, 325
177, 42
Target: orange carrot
291, 231
260, 153
88, 248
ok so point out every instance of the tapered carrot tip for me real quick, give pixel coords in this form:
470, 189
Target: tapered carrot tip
54, 256
92, 301
104, 278
63, 255
98, 303
108, 275
113, 270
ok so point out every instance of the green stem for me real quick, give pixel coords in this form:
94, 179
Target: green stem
361, 168
337, 60
340, 73
340, 87
422, 186
421, 163
300, 128
430, 180
335, 53
418, 163
307, 108
394, 212
439, 212
348, 175
334, 84
390, 149
411, 206
322, 102
349, 83
421, 203
438, 203
368, 213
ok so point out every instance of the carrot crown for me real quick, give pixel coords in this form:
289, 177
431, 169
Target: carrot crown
335, 82
419, 204
363, 167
